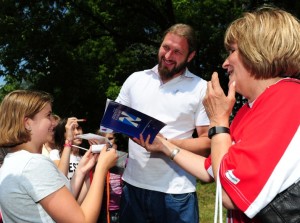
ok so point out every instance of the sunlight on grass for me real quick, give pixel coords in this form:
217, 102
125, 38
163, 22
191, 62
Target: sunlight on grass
206, 201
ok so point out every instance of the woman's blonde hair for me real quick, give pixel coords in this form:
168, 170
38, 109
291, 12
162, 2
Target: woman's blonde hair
268, 41
15, 107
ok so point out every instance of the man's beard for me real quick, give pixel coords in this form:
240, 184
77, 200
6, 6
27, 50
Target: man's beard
166, 74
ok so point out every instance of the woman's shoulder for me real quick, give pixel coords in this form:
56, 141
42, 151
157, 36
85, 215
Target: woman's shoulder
289, 83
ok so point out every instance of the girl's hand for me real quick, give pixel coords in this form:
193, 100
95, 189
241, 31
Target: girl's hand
87, 162
70, 127
107, 158
93, 142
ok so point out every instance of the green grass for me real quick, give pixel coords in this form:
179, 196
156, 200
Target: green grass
206, 201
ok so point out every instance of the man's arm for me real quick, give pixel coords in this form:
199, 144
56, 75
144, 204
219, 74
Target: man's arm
199, 145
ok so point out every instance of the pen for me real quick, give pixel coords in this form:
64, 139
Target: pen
80, 147
110, 144
81, 120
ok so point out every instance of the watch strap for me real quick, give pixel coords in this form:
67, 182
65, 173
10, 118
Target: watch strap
216, 130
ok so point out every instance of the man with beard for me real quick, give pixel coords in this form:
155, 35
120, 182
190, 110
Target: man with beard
157, 190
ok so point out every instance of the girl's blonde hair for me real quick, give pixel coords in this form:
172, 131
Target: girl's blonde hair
15, 107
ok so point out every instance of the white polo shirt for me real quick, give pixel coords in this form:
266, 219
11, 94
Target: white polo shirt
178, 103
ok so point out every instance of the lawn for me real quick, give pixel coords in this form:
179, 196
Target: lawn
206, 198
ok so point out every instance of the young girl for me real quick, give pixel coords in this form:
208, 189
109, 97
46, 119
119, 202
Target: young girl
32, 189
66, 156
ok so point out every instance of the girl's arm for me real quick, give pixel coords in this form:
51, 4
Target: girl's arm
84, 189
64, 162
80, 177
62, 206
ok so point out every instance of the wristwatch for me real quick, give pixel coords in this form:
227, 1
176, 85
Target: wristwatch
216, 130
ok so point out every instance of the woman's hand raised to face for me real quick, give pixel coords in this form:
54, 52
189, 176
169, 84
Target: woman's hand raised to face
218, 106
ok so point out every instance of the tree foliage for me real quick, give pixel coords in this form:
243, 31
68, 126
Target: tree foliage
81, 51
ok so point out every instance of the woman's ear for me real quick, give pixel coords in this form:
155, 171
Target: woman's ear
27, 123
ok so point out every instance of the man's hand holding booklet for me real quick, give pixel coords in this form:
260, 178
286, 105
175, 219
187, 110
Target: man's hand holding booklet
128, 121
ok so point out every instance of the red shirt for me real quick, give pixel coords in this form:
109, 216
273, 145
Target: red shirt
264, 158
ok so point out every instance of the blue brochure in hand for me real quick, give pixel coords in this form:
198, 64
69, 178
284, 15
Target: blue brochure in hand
128, 121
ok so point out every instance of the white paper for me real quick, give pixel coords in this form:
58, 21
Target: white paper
92, 136
97, 148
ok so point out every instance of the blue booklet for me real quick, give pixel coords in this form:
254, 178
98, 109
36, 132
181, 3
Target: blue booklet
128, 121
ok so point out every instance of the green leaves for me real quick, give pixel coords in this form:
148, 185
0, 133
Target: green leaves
82, 51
